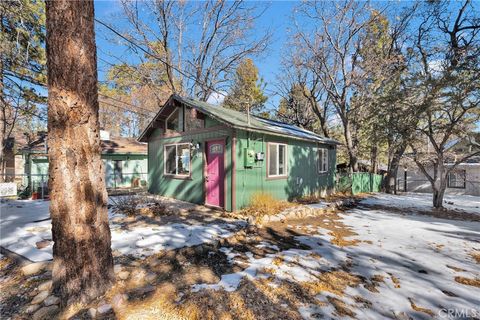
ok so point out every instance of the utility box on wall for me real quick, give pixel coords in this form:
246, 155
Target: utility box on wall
249, 157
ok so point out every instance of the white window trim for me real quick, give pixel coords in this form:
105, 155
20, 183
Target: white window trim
176, 174
170, 115
285, 158
324, 155
455, 172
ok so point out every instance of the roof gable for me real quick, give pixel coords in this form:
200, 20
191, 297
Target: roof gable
237, 120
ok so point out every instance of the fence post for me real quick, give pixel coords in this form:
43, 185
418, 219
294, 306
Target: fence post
43, 192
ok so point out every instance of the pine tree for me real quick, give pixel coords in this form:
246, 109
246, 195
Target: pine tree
22, 65
247, 90
296, 109
82, 257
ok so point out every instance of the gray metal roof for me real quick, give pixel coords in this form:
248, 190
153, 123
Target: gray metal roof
239, 120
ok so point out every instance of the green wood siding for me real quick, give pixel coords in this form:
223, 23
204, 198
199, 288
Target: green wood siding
302, 169
131, 166
191, 189
302, 178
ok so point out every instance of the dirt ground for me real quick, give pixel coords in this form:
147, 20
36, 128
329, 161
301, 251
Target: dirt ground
160, 286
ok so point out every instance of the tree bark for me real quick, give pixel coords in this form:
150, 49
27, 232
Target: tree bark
351, 148
374, 159
438, 198
83, 263
3, 120
439, 184
391, 177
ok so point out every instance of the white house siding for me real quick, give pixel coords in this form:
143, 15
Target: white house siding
417, 182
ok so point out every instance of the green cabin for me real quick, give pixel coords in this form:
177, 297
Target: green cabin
206, 154
124, 159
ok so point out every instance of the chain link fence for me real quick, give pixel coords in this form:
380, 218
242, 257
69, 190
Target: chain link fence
35, 186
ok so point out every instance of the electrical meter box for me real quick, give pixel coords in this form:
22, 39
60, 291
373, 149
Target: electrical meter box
249, 157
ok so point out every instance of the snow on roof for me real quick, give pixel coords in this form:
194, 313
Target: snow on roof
239, 120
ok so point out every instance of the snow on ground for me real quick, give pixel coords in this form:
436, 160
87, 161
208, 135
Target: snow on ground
23, 224
423, 201
418, 258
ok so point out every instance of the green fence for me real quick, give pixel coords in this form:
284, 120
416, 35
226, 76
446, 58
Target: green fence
358, 182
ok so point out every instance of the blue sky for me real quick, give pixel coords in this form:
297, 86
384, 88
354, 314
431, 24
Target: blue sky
276, 18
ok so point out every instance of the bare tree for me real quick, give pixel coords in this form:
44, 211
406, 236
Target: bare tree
201, 62
82, 257
297, 73
333, 38
448, 50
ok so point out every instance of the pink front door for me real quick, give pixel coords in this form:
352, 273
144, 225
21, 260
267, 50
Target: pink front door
215, 173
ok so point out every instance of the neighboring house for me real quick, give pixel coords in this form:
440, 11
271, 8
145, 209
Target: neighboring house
463, 180
125, 162
210, 155
13, 160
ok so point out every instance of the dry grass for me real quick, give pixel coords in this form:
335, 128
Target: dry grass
338, 231
374, 283
420, 309
395, 281
476, 256
456, 269
341, 308
468, 281
309, 199
262, 204
333, 281
129, 205
330, 198
277, 260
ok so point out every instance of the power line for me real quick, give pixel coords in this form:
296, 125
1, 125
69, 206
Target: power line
43, 84
126, 109
128, 104
183, 73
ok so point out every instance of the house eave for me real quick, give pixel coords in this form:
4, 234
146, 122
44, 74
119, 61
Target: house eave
144, 137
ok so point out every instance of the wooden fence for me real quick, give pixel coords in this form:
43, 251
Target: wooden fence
358, 182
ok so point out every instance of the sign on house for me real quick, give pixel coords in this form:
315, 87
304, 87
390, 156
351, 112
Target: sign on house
8, 189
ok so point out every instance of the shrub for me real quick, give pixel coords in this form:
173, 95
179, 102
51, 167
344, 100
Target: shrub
265, 204
132, 205
126, 204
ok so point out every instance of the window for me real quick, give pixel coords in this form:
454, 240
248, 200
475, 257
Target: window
322, 160
172, 122
216, 148
118, 170
177, 159
456, 179
277, 160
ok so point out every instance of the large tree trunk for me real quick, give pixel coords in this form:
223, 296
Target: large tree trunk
391, 177
374, 159
2, 142
3, 120
438, 195
439, 184
83, 263
351, 148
